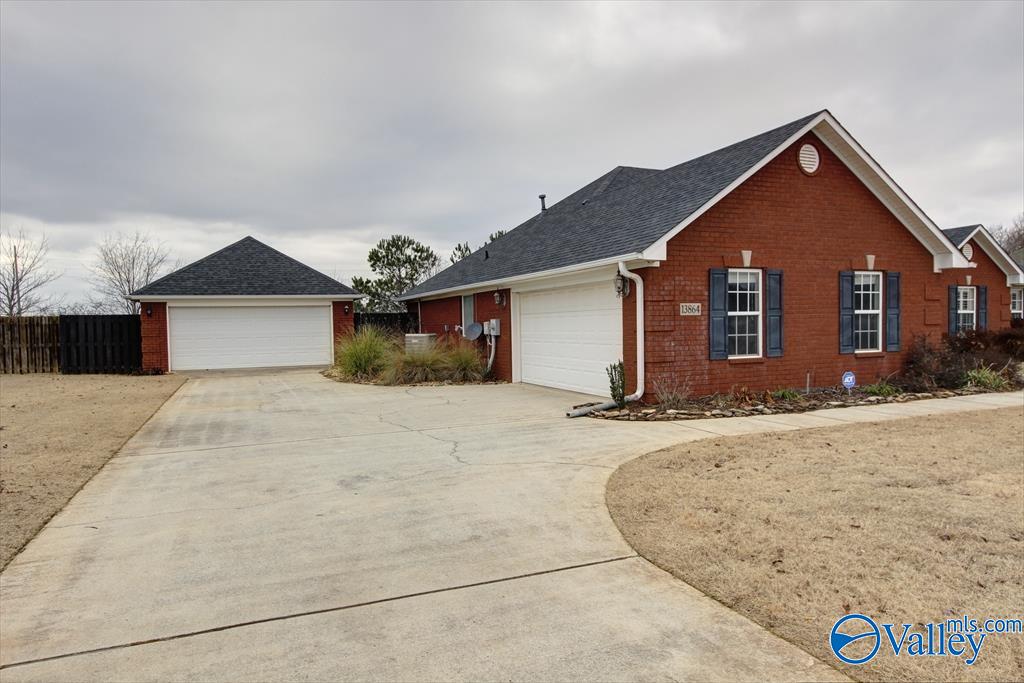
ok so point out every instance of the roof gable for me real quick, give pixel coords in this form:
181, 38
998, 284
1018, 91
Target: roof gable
634, 217
246, 268
1006, 263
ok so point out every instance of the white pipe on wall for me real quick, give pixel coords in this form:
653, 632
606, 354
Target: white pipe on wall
640, 361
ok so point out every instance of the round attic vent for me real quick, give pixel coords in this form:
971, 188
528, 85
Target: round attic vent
968, 252
809, 159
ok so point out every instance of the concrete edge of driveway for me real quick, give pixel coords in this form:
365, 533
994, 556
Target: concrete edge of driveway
114, 453
815, 419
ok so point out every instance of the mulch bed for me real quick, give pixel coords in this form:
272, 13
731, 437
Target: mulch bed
723, 405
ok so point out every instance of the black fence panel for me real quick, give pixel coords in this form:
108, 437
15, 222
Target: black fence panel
100, 344
401, 323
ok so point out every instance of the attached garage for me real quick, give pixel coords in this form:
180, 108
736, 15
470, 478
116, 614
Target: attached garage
245, 306
214, 337
568, 336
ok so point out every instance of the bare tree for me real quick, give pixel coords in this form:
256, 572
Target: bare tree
1010, 238
126, 263
24, 275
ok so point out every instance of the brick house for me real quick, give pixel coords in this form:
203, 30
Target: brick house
781, 260
244, 306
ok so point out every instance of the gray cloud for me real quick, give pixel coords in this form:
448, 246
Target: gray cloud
321, 128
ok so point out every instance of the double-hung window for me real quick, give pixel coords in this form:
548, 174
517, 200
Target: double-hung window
966, 308
744, 313
1017, 303
867, 311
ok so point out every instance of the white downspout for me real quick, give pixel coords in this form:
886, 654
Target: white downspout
640, 359
640, 366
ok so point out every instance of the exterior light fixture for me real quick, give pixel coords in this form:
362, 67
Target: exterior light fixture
149, 310
499, 298
348, 308
621, 286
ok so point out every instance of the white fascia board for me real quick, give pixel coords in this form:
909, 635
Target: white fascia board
508, 282
944, 253
246, 297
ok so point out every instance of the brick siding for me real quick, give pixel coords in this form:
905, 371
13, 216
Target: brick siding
154, 337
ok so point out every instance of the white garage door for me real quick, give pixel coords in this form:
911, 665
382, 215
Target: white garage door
569, 336
214, 337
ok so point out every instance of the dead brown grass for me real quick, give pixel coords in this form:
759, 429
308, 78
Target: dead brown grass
908, 521
56, 432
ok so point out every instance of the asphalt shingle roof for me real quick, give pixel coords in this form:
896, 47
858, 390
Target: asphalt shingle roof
623, 212
246, 268
958, 235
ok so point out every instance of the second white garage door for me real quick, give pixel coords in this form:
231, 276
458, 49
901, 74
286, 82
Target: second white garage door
217, 337
569, 336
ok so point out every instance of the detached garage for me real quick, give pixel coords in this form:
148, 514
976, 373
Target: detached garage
245, 306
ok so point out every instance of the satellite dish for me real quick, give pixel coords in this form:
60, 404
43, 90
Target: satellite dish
473, 331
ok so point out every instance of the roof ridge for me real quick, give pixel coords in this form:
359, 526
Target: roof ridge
195, 263
294, 260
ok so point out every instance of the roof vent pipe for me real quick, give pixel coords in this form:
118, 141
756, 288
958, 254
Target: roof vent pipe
543, 202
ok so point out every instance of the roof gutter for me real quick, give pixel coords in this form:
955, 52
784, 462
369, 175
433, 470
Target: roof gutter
205, 297
505, 282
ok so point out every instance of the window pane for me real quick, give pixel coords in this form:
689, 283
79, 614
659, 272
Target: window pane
866, 331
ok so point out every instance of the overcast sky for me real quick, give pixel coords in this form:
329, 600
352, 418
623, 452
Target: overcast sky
322, 128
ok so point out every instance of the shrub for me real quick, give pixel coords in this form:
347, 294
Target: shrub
363, 355
929, 367
881, 388
464, 363
987, 378
617, 383
786, 395
426, 365
671, 393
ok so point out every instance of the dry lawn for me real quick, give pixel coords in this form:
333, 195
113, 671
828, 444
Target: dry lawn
56, 432
908, 521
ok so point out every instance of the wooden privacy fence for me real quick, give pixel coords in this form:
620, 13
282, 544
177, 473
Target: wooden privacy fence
402, 323
28, 344
72, 344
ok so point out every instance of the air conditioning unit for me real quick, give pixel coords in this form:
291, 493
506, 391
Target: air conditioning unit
419, 342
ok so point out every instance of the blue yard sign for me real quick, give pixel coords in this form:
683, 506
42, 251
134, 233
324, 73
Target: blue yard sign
849, 380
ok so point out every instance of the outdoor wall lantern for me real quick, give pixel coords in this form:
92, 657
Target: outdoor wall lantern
621, 286
348, 308
149, 310
499, 298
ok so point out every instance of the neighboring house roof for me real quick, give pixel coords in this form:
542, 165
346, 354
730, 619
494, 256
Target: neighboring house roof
246, 268
960, 236
630, 213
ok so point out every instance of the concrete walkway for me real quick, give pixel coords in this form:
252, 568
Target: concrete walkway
283, 527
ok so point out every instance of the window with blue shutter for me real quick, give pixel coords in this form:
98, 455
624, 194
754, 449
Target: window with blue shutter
982, 307
892, 311
773, 311
718, 313
846, 311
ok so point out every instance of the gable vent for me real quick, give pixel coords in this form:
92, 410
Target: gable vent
809, 159
968, 251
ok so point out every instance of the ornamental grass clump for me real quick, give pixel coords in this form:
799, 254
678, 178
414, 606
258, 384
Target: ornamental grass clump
464, 363
414, 367
363, 355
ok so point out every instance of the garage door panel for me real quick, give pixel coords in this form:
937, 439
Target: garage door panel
249, 336
569, 336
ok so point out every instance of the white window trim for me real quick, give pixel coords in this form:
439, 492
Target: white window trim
760, 311
867, 311
973, 311
1019, 309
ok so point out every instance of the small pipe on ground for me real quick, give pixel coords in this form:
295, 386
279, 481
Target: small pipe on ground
586, 410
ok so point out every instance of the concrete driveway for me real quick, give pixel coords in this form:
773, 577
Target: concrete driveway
283, 526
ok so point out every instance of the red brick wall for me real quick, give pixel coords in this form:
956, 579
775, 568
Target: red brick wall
344, 323
438, 313
154, 337
811, 227
987, 273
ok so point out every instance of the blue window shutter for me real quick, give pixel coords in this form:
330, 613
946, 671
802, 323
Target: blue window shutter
982, 305
846, 311
718, 279
952, 311
774, 311
892, 311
